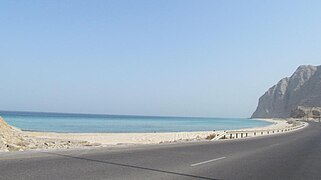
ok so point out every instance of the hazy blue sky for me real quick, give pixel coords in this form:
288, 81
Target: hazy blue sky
184, 58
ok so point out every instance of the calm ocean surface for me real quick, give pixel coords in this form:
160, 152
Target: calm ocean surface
85, 123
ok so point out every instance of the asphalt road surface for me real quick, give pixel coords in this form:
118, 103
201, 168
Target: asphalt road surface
294, 155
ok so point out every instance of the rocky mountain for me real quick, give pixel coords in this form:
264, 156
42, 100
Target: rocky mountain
290, 94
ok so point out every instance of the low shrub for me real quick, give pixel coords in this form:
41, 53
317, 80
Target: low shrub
211, 136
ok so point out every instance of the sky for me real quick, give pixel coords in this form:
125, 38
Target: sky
211, 58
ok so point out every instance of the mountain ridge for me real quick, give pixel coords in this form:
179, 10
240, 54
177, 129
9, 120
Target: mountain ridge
301, 89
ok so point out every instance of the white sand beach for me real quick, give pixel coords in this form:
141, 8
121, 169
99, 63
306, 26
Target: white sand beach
106, 139
13, 139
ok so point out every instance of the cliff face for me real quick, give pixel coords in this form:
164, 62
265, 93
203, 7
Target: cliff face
303, 88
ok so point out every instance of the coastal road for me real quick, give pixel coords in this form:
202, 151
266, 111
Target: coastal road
293, 155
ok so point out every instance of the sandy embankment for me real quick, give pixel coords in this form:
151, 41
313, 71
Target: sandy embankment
106, 139
13, 139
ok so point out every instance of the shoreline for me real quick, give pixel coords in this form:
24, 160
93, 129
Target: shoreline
108, 139
32, 140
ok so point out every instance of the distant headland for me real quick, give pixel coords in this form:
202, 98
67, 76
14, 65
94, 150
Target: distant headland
298, 96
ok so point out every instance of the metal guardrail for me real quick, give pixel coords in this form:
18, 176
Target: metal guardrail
251, 133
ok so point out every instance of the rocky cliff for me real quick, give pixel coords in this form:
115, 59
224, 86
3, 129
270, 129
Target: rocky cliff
302, 89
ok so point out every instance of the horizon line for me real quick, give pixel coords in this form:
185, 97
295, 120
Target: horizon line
102, 114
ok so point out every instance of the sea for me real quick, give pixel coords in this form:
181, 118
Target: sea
98, 123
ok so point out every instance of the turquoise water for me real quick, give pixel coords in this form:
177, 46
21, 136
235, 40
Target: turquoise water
85, 123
